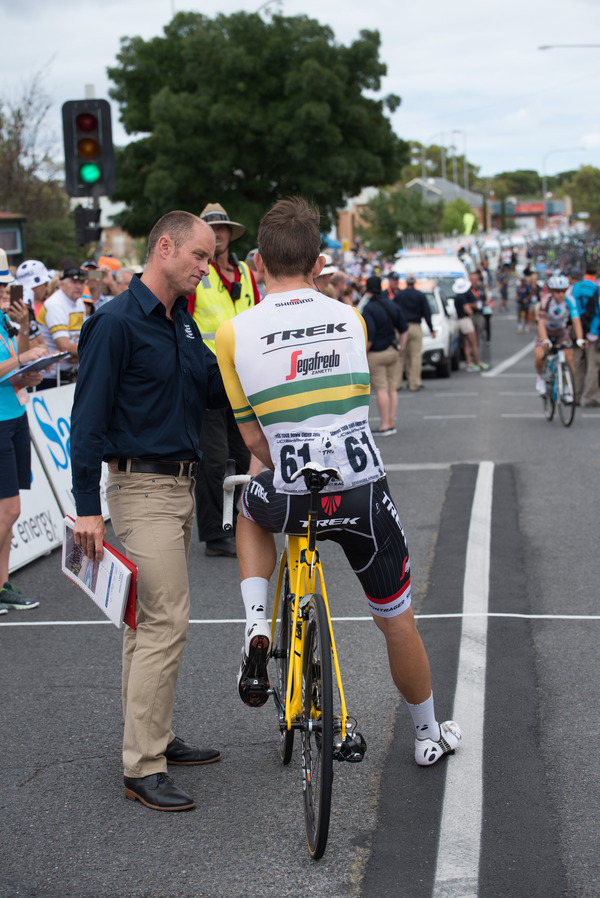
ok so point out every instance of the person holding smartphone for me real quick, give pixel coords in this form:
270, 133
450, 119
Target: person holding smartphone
15, 444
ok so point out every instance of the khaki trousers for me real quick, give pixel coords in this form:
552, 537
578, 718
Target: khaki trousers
152, 516
592, 371
412, 356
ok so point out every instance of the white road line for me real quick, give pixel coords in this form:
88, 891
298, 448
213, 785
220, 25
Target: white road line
363, 619
523, 415
459, 846
509, 362
455, 395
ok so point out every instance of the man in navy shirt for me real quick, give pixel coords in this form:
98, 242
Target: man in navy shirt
145, 378
415, 307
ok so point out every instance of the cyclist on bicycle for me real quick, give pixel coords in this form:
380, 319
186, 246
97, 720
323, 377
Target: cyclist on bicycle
296, 373
555, 311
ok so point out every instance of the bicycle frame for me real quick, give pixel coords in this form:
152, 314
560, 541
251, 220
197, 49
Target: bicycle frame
306, 577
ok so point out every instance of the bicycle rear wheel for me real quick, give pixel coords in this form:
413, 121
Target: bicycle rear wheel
317, 726
281, 654
566, 400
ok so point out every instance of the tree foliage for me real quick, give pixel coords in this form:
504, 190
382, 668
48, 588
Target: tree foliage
243, 111
435, 161
453, 217
390, 214
584, 189
522, 183
29, 180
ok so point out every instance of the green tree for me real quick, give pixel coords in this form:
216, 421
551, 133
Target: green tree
392, 213
243, 111
436, 161
522, 183
29, 180
453, 217
584, 189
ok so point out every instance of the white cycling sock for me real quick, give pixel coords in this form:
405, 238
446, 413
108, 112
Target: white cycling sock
423, 716
254, 597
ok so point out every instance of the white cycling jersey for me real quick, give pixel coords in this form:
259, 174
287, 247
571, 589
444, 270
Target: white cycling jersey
297, 363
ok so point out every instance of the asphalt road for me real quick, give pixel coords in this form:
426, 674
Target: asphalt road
513, 813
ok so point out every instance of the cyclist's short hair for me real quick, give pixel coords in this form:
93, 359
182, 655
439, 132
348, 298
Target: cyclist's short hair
289, 238
177, 225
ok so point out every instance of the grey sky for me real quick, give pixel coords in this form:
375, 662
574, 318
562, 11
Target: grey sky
465, 67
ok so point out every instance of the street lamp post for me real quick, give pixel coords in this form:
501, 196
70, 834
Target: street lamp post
465, 164
443, 155
569, 46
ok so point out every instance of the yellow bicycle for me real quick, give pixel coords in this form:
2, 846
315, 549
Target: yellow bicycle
305, 659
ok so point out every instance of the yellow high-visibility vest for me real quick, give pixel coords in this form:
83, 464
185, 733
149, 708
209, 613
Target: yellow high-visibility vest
214, 304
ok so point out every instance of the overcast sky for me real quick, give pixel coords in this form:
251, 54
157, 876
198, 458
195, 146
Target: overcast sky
466, 66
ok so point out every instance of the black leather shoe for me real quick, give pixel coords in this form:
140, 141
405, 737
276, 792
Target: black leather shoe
159, 792
224, 547
178, 752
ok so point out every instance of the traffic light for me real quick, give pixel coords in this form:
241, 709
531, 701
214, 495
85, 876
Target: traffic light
89, 152
87, 225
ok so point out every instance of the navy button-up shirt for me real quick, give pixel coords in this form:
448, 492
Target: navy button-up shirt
144, 381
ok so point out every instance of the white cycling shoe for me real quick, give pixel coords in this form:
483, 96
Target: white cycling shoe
427, 752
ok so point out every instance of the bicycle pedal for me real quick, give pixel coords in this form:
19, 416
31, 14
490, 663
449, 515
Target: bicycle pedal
254, 692
352, 749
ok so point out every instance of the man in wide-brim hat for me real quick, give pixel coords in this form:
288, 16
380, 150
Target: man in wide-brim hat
229, 288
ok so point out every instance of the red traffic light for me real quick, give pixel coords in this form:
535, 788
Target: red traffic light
86, 122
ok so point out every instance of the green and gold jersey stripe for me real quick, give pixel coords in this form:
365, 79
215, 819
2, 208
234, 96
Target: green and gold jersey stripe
298, 401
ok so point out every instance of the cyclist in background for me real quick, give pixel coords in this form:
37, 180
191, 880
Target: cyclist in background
524, 300
555, 312
297, 376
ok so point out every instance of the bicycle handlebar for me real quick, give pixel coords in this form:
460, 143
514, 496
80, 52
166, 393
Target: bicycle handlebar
229, 484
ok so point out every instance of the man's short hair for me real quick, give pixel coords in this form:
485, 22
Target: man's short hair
289, 238
591, 267
177, 225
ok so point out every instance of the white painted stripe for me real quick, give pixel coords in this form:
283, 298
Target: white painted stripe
455, 395
459, 848
524, 415
445, 417
509, 362
520, 393
506, 376
366, 619
426, 466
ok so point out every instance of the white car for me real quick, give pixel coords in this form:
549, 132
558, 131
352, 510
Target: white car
441, 352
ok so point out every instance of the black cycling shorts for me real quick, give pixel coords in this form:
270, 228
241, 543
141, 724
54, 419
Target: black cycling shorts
364, 522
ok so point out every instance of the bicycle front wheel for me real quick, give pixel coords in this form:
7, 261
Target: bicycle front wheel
566, 403
281, 654
549, 402
317, 726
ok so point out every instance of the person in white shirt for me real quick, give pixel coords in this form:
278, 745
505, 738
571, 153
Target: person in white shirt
60, 320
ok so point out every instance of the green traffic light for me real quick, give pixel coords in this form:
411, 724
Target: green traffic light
90, 173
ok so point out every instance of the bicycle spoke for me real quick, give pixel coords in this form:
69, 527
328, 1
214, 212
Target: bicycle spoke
566, 407
317, 727
281, 654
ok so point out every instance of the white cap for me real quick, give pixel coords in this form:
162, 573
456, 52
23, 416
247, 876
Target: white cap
461, 285
32, 273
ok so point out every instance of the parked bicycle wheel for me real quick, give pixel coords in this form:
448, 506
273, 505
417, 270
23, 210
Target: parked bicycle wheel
317, 726
566, 404
281, 655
